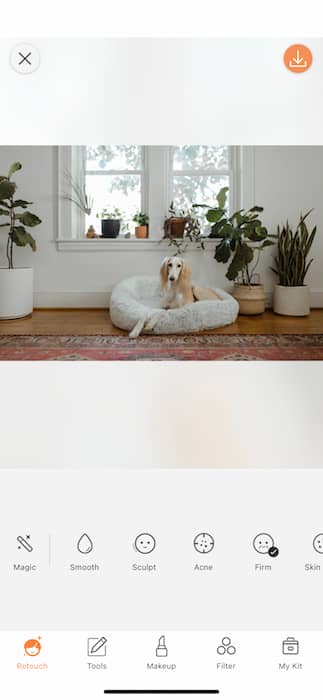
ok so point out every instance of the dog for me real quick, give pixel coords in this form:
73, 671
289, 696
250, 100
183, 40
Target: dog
176, 291
175, 278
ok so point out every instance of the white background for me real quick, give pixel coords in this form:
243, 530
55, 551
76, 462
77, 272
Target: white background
162, 18
146, 414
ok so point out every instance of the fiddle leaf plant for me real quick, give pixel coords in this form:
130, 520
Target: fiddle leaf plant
242, 237
18, 216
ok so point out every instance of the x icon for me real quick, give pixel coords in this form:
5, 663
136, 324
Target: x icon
24, 58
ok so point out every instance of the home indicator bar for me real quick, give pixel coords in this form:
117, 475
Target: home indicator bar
162, 692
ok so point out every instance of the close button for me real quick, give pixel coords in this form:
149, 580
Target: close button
25, 58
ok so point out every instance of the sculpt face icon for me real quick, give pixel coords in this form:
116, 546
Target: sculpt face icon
145, 543
318, 543
263, 543
204, 543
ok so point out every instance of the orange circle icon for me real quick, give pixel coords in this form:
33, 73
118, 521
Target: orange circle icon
32, 647
298, 58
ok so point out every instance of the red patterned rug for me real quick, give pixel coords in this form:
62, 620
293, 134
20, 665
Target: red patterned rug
184, 347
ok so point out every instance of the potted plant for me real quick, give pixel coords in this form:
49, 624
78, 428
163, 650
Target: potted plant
110, 222
292, 295
78, 194
192, 234
175, 223
16, 284
242, 239
141, 230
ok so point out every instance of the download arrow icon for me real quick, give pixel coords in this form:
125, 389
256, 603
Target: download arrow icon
298, 60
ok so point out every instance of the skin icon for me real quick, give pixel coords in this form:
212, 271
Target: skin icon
318, 543
145, 543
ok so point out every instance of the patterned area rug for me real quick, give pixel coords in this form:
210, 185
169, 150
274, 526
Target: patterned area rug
187, 347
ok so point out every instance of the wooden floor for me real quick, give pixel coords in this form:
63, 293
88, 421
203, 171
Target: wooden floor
97, 322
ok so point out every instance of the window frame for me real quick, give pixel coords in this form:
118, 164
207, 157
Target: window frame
156, 195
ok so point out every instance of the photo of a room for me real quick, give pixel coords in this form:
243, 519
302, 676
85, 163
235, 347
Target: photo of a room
190, 252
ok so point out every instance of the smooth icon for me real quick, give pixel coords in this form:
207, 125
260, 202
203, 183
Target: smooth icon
290, 646
97, 646
298, 58
25, 58
145, 543
264, 544
203, 543
161, 649
318, 543
226, 647
25, 543
85, 544
32, 647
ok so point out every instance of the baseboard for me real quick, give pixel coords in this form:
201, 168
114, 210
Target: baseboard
71, 300
83, 300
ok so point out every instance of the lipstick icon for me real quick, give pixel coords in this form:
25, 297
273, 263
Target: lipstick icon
161, 647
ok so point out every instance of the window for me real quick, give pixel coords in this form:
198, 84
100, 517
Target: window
114, 178
198, 173
136, 178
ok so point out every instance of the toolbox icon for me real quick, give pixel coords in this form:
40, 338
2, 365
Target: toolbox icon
290, 646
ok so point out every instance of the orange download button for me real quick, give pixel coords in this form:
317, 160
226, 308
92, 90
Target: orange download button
298, 58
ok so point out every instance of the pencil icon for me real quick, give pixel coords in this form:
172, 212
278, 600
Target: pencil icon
96, 645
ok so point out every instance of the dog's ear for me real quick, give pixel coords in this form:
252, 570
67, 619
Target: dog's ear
164, 271
186, 272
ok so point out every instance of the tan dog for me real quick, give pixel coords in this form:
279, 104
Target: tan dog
175, 278
176, 289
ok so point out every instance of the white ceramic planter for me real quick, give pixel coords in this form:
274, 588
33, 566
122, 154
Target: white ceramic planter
16, 292
291, 301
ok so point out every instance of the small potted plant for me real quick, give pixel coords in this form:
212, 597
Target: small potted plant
175, 223
291, 294
242, 239
192, 235
16, 284
142, 221
110, 222
78, 194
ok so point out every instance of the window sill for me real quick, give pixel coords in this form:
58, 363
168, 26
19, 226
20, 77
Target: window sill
135, 245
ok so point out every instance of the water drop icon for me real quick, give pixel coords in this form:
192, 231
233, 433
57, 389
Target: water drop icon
85, 544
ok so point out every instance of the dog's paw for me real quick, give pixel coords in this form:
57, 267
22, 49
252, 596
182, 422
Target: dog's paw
134, 333
150, 326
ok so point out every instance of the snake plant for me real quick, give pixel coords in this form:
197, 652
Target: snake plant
291, 261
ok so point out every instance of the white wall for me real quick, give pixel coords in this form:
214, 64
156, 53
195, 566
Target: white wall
286, 180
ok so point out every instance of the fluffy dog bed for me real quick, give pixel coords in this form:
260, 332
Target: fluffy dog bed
140, 297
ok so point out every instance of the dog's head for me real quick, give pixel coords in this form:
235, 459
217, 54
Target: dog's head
173, 269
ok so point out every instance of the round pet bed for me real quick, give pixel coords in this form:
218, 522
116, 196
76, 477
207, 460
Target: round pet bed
140, 297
